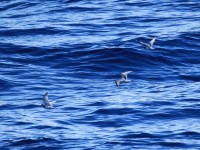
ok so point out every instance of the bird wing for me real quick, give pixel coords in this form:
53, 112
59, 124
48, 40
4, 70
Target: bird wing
52, 103
125, 75
117, 82
152, 42
45, 99
144, 44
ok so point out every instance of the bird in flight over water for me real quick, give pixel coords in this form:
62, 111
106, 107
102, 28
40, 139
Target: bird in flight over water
148, 45
46, 103
124, 78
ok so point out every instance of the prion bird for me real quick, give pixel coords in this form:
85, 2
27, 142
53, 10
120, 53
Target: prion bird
148, 45
47, 104
124, 78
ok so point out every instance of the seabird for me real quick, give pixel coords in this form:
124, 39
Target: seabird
124, 78
148, 45
47, 104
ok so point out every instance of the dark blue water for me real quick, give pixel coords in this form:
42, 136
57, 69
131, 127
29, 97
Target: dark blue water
75, 50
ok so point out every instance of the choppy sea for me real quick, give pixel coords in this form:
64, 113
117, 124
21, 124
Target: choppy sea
75, 50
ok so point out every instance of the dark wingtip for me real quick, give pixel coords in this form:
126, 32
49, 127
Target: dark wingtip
46, 93
116, 83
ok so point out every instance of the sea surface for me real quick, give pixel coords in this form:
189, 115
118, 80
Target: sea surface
75, 50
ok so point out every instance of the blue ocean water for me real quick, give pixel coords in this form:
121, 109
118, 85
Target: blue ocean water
75, 50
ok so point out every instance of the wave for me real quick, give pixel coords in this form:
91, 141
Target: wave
75, 50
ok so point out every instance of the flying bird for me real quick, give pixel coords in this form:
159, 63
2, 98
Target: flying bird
47, 104
124, 78
148, 45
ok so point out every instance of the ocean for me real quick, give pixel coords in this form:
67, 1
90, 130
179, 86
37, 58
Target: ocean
75, 50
